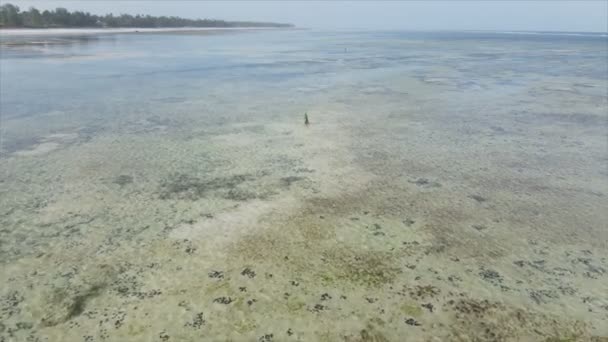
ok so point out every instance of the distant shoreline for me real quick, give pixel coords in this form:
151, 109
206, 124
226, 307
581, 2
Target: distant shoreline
12, 32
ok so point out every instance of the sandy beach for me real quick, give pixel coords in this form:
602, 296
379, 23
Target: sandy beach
92, 31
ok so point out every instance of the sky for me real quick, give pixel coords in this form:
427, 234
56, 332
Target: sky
547, 15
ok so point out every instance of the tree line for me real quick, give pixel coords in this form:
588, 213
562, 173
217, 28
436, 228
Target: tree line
12, 16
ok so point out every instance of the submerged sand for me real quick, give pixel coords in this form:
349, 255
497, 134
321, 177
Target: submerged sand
405, 211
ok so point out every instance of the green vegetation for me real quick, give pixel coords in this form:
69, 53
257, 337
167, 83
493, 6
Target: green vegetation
12, 16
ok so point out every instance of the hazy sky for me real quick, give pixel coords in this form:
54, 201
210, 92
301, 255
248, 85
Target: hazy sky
414, 15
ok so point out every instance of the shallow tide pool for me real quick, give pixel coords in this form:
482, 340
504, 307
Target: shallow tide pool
164, 187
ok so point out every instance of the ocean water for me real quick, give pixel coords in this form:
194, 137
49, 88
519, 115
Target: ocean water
163, 186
